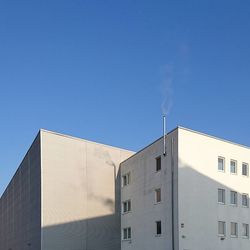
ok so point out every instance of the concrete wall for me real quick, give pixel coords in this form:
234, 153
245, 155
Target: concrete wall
199, 180
20, 206
80, 194
141, 191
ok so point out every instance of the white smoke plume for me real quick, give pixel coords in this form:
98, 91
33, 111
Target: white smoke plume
167, 89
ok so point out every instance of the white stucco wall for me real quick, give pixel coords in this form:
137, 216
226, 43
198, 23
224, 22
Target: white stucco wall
199, 180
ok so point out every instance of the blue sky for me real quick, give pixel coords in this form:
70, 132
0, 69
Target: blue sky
102, 70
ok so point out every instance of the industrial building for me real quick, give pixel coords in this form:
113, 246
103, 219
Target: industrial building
185, 191
64, 196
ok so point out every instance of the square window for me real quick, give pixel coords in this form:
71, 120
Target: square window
221, 228
158, 164
234, 229
233, 167
245, 233
233, 198
221, 196
221, 164
158, 195
158, 228
245, 169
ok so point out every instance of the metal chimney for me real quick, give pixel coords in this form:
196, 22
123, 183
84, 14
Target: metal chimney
164, 135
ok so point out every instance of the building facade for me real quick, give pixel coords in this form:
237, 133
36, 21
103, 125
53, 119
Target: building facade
195, 197
185, 191
64, 196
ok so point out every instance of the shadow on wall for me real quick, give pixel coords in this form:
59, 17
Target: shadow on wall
99, 233
113, 205
201, 211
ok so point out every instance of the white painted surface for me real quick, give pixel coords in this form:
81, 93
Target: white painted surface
199, 181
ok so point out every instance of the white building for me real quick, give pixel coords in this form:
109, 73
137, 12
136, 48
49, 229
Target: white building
73, 194
196, 197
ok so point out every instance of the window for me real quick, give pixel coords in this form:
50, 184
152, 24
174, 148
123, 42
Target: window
158, 164
234, 229
221, 164
233, 198
245, 233
233, 167
245, 169
221, 228
158, 195
158, 228
126, 206
126, 179
245, 200
221, 196
126, 233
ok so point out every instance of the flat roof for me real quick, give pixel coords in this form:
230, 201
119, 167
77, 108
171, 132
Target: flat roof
192, 131
214, 137
84, 140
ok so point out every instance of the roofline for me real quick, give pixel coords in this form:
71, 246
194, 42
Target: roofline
26, 154
214, 137
84, 140
170, 132
192, 131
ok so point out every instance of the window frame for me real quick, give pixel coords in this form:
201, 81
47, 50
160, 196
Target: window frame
247, 199
236, 167
243, 230
126, 204
224, 164
247, 169
158, 160
224, 196
233, 192
128, 233
236, 230
158, 225
156, 196
128, 179
224, 229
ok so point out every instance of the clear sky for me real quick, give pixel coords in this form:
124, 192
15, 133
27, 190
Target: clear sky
106, 70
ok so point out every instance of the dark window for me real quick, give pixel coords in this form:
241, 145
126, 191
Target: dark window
158, 227
126, 179
126, 206
127, 233
245, 169
158, 163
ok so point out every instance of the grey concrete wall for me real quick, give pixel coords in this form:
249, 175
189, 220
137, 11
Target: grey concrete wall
141, 191
20, 205
80, 194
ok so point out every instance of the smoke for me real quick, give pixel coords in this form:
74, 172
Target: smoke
167, 89
104, 155
174, 73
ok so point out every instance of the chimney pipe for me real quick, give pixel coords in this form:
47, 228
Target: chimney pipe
164, 135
